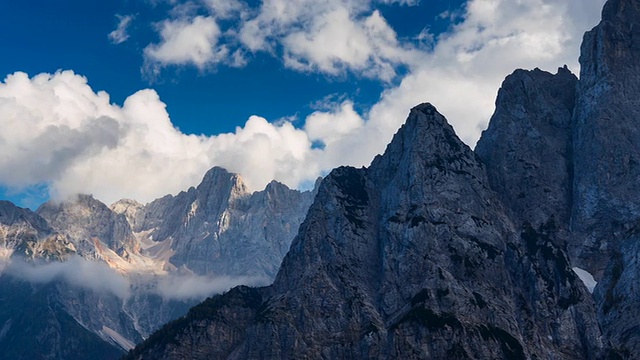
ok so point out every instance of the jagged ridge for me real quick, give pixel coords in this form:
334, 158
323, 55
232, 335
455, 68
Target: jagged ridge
413, 257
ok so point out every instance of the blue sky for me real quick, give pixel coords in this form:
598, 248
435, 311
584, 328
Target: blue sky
296, 87
72, 34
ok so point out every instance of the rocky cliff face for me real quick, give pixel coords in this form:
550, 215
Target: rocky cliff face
582, 172
606, 210
428, 254
527, 148
216, 229
606, 134
220, 228
28, 234
414, 257
90, 225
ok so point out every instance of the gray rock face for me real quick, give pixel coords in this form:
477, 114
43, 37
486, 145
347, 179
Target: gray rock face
220, 228
24, 233
596, 180
413, 257
607, 135
606, 210
18, 225
527, 148
90, 225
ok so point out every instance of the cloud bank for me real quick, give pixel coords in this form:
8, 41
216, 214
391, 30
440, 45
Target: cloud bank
92, 275
194, 287
57, 131
99, 277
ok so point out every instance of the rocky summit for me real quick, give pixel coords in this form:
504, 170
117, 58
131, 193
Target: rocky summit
436, 251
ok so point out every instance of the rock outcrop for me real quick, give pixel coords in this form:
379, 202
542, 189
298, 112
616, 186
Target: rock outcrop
414, 257
527, 147
90, 225
607, 135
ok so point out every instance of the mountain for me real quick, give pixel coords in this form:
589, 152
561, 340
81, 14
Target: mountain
33, 323
220, 227
527, 148
90, 225
606, 212
437, 251
36, 325
101, 279
412, 257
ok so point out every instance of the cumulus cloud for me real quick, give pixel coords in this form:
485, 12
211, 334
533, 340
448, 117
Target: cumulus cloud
59, 132
224, 9
331, 37
120, 35
334, 37
462, 74
186, 41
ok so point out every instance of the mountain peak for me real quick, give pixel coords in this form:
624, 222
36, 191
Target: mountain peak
526, 148
219, 174
621, 11
425, 143
87, 220
219, 181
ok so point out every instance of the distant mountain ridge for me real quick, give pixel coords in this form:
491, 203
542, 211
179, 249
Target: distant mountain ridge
217, 230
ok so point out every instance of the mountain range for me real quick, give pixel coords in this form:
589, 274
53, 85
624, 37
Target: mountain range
112, 275
524, 248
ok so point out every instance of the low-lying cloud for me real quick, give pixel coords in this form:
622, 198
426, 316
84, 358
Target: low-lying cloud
195, 287
98, 277
76, 271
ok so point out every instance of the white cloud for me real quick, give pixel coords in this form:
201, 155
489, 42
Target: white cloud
462, 74
330, 126
224, 9
194, 287
99, 277
335, 43
186, 41
334, 37
57, 131
331, 37
120, 35
133, 151
77, 271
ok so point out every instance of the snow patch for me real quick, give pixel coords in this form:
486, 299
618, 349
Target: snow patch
586, 278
